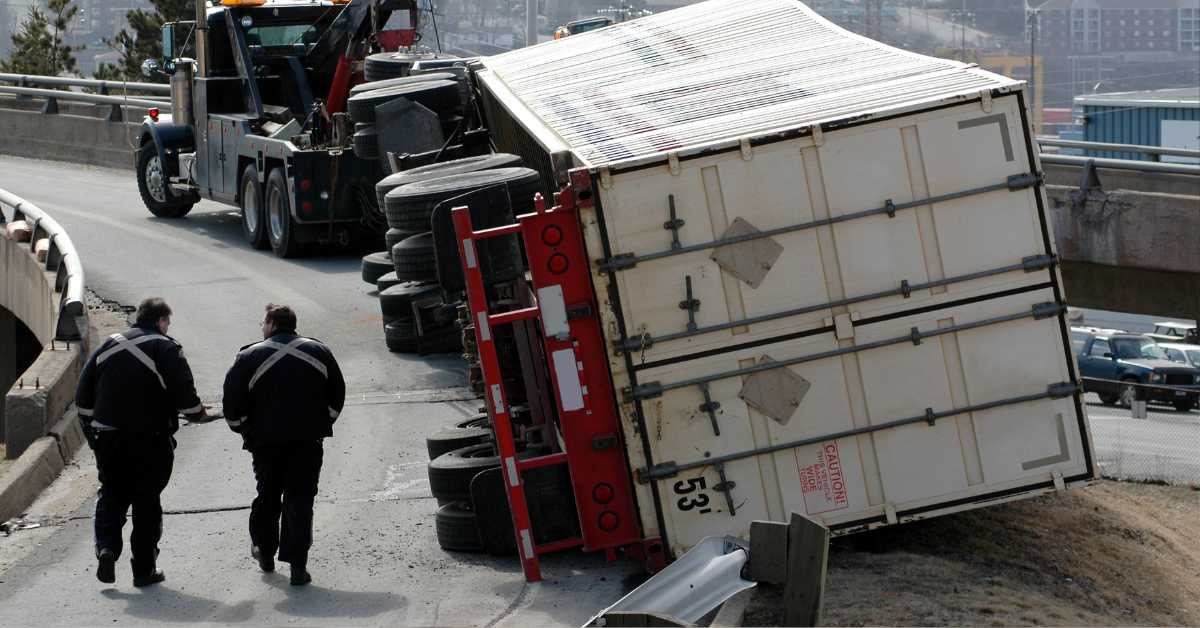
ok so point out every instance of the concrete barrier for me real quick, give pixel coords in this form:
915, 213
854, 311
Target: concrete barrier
79, 133
41, 396
29, 475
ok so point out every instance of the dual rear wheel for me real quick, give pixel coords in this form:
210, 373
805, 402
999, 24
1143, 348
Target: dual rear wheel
267, 212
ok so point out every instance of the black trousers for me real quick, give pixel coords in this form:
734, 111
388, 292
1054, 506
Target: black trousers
287, 476
134, 470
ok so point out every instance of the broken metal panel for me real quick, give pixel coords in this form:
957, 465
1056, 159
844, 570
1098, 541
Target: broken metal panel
692, 586
749, 260
775, 393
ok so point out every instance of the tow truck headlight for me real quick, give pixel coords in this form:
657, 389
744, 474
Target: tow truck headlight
324, 195
1156, 378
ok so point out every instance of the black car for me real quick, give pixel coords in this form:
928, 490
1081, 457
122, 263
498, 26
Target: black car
1112, 365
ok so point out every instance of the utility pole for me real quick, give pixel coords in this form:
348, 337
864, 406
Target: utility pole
1033, 33
531, 34
963, 19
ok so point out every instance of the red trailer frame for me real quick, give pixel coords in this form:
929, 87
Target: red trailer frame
588, 427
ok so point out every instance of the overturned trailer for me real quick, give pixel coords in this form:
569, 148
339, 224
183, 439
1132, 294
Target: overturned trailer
803, 271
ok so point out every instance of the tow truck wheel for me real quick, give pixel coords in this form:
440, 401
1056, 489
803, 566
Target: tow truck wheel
155, 188
253, 224
281, 231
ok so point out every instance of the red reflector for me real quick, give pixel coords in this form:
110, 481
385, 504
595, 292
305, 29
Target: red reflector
603, 492
306, 207
609, 521
153, 113
305, 184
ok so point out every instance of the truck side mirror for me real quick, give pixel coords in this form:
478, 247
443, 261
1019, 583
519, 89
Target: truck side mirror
168, 41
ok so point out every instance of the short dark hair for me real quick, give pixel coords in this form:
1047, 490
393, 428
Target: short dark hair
283, 317
152, 309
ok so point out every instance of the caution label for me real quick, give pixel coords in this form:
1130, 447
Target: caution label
822, 481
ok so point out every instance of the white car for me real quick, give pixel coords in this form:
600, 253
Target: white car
1184, 354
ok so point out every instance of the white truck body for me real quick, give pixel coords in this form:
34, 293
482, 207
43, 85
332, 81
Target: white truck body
895, 348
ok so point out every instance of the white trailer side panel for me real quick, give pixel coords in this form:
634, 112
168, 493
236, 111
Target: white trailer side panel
855, 364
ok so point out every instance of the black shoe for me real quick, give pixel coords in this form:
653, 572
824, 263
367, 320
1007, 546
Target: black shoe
106, 571
266, 562
154, 577
300, 576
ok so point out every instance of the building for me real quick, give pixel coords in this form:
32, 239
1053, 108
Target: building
1095, 26
1111, 45
1166, 117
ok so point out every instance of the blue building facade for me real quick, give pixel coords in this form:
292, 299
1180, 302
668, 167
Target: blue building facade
1167, 117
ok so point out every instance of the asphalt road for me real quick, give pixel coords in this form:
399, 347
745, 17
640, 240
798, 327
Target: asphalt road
375, 560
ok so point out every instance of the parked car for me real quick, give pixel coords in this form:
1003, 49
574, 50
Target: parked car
1182, 353
1113, 364
1166, 331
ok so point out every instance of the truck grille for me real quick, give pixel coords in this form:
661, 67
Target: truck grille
1180, 379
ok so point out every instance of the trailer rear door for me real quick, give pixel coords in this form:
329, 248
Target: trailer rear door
894, 349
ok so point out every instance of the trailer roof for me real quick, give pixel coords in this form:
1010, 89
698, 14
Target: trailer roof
718, 71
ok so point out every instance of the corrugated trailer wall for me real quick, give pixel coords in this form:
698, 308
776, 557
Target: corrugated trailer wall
1130, 125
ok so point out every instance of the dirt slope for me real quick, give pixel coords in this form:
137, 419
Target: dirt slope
1111, 554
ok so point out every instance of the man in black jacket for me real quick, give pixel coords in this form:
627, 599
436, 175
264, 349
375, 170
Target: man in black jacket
283, 395
130, 395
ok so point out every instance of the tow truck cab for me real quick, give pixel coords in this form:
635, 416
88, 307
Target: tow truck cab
254, 90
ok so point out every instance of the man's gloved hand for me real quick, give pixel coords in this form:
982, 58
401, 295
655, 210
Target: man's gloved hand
204, 416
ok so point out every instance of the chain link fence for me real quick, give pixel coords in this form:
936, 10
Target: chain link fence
1142, 433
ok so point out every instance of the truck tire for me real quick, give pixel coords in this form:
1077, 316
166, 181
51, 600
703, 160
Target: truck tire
386, 65
1184, 405
366, 143
281, 228
444, 169
400, 336
402, 80
1127, 392
414, 260
456, 528
155, 189
470, 432
375, 266
387, 281
438, 96
396, 302
394, 236
450, 474
254, 223
411, 206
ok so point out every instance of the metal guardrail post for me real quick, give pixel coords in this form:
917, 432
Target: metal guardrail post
50, 106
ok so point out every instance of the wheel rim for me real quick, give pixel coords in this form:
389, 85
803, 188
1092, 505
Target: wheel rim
1127, 395
154, 180
275, 211
250, 211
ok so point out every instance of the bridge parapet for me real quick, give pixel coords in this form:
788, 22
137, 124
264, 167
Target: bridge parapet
1129, 240
42, 285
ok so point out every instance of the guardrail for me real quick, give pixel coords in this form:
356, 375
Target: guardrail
1154, 152
25, 87
61, 259
102, 87
1120, 164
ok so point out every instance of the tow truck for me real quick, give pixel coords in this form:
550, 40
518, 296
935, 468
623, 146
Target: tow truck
257, 117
